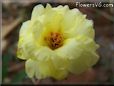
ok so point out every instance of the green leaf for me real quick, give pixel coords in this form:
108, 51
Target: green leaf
5, 62
17, 79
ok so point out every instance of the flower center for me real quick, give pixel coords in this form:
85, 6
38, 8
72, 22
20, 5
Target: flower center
54, 40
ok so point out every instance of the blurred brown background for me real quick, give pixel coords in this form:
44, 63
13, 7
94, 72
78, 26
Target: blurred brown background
16, 12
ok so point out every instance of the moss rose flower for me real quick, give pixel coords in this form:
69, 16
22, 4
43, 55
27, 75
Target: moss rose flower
57, 41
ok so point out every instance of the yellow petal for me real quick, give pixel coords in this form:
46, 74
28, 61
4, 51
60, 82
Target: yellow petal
83, 63
37, 31
47, 69
48, 66
24, 36
26, 42
71, 49
84, 27
88, 42
61, 9
75, 23
52, 20
69, 19
80, 57
48, 6
37, 11
30, 67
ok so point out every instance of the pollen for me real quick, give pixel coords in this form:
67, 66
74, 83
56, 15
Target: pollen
54, 40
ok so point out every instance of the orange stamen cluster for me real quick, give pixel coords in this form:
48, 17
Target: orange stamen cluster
54, 40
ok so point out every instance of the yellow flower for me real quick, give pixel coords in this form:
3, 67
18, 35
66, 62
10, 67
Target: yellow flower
57, 41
